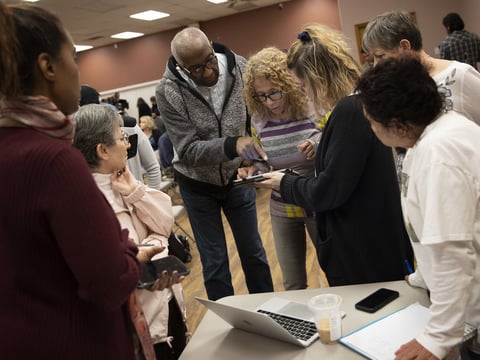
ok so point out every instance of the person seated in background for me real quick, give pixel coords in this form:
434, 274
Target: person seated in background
354, 192
145, 212
284, 122
440, 197
143, 161
150, 130
67, 268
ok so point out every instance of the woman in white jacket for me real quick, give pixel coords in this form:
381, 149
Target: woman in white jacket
145, 212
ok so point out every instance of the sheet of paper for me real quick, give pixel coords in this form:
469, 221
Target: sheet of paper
380, 339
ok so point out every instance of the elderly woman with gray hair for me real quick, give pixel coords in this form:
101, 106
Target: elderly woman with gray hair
145, 212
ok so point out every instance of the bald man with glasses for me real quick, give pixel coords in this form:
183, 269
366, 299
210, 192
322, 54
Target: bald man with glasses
201, 101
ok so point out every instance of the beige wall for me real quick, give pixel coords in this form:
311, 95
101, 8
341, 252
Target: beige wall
429, 15
143, 60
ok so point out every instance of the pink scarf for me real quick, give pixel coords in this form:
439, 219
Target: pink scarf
39, 113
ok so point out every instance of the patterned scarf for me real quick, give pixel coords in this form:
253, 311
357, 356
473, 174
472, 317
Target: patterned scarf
39, 113
142, 341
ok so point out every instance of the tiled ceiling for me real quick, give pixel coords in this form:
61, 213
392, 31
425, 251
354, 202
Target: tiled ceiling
92, 22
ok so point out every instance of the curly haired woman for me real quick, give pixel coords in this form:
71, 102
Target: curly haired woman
286, 125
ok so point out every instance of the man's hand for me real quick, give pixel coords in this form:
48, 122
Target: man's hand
244, 172
249, 148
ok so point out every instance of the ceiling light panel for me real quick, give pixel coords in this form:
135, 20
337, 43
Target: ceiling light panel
79, 48
127, 35
149, 15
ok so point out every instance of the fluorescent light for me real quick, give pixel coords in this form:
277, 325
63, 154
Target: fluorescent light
149, 15
217, 1
30, 0
79, 48
127, 35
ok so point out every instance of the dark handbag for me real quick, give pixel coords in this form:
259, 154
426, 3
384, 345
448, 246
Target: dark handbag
178, 245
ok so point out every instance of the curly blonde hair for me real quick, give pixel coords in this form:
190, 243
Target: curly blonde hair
271, 64
321, 59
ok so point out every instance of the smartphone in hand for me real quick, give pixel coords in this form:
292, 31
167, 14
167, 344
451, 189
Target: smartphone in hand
152, 270
376, 300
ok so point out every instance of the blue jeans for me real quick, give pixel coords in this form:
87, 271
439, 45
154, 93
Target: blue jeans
204, 213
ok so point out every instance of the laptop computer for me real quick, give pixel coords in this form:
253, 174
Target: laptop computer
277, 318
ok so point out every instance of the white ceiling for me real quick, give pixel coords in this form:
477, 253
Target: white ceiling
91, 22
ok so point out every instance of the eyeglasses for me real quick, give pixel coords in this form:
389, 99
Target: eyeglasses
274, 96
197, 70
124, 137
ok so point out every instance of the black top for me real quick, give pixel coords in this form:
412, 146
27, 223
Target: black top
361, 234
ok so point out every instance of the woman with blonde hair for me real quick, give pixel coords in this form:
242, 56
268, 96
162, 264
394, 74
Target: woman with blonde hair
354, 193
286, 125
150, 130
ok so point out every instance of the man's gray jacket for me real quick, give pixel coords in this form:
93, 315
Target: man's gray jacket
205, 144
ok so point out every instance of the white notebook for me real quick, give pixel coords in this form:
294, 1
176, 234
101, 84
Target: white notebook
381, 338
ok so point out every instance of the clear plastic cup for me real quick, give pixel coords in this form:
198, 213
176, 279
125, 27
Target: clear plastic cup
326, 309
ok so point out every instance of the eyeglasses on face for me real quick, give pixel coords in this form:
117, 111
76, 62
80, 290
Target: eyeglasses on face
124, 137
274, 96
197, 70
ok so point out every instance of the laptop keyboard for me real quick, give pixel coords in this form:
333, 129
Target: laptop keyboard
301, 329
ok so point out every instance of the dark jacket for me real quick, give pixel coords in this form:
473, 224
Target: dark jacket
204, 143
356, 198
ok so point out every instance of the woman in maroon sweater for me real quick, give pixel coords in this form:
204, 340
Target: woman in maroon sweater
66, 268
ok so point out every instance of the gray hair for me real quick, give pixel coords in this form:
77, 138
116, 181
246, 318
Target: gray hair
388, 29
96, 124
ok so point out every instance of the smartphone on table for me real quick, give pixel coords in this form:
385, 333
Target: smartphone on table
376, 300
152, 270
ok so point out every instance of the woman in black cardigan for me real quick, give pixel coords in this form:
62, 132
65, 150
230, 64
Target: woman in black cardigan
355, 193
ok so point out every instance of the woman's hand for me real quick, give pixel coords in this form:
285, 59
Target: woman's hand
145, 253
307, 148
273, 180
166, 281
124, 182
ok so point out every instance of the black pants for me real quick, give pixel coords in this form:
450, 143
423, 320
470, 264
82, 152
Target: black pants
176, 328
467, 354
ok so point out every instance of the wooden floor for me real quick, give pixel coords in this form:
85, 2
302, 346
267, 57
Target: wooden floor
193, 283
